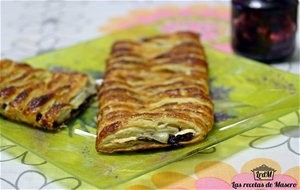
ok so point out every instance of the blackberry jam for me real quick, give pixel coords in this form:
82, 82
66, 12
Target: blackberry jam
264, 30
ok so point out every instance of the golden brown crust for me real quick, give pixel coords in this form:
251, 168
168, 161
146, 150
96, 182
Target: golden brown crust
36, 96
160, 79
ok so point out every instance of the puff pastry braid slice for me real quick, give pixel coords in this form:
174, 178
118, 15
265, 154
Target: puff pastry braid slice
155, 94
41, 98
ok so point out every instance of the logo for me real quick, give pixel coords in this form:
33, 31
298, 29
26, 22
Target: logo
262, 177
263, 173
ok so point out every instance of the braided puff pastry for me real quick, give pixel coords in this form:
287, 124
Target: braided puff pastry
41, 98
155, 94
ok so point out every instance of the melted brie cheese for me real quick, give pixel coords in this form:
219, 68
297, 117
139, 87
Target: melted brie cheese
185, 131
161, 135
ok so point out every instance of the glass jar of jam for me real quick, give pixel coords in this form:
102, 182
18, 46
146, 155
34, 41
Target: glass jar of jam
264, 30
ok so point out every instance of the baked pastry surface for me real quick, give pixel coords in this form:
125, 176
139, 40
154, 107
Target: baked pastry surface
41, 98
155, 94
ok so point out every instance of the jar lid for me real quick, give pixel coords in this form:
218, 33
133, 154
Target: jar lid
266, 4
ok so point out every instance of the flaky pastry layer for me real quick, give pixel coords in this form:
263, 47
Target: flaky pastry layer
41, 98
155, 94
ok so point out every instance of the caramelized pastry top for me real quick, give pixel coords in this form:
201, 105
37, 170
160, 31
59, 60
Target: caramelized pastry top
162, 79
38, 97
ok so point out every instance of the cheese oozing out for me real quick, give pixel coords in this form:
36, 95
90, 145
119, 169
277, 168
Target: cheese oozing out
160, 134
